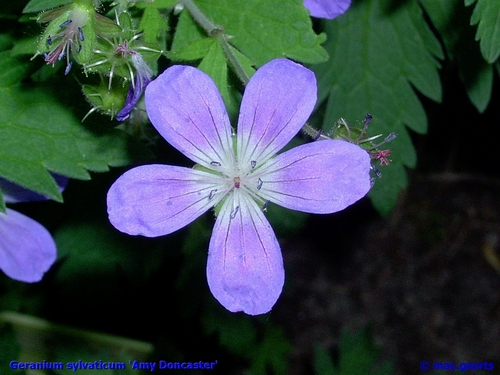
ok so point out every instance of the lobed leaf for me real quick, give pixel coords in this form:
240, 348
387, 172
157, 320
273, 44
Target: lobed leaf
451, 19
487, 16
378, 54
39, 134
260, 29
152, 24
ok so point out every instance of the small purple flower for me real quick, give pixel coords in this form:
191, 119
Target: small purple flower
240, 174
27, 249
138, 85
327, 8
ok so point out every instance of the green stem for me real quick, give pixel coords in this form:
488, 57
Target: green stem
211, 28
231, 57
218, 33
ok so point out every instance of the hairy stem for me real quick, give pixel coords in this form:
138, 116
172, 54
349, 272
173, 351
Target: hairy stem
219, 34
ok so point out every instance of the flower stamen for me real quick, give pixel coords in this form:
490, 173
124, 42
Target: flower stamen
212, 194
259, 184
264, 207
237, 182
234, 212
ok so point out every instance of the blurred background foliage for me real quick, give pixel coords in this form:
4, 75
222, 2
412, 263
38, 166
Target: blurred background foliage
113, 297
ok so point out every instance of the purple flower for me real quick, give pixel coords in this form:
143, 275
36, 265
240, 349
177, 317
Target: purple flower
27, 249
240, 174
327, 8
142, 78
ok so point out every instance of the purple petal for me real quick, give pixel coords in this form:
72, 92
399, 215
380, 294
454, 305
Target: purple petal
13, 193
320, 177
154, 200
277, 102
327, 8
245, 268
142, 79
27, 249
185, 106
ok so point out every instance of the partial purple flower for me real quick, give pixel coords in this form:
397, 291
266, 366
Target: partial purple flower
137, 86
27, 249
327, 8
240, 176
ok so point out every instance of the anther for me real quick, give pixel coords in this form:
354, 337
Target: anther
372, 182
65, 23
376, 171
234, 212
80, 33
264, 207
68, 68
320, 133
49, 40
237, 182
212, 193
215, 163
259, 184
79, 48
253, 163
387, 139
368, 119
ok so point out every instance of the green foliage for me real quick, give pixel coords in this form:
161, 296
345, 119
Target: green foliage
357, 356
377, 55
487, 16
41, 135
263, 345
258, 32
9, 349
265, 30
451, 19
39, 5
152, 23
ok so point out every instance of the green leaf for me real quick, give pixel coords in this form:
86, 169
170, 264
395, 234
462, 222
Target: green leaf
35, 6
186, 32
377, 55
159, 4
25, 46
358, 355
9, 348
451, 19
264, 30
323, 364
2, 203
39, 134
152, 23
487, 16
271, 352
214, 64
192, 51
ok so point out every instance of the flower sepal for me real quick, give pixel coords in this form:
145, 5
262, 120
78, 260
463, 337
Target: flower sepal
104, 99
358, 135
70, 33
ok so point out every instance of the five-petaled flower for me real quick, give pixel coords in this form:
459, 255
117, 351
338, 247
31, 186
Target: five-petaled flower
27, 249
239, 173
327, 8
